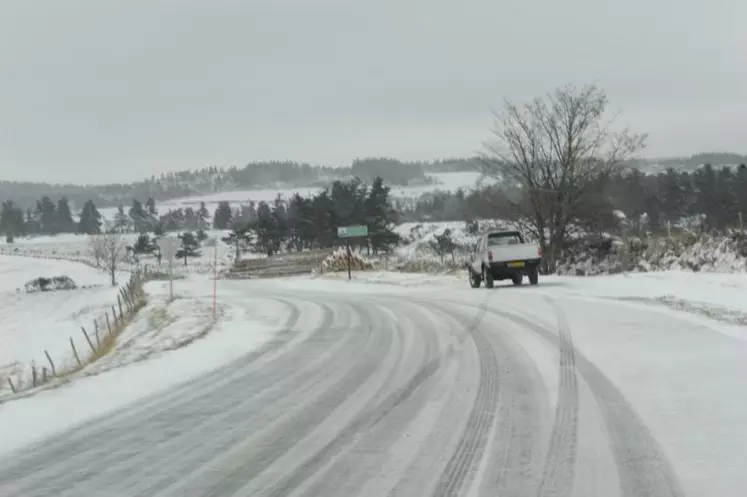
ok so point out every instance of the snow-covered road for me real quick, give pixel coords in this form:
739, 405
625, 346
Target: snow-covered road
375, 390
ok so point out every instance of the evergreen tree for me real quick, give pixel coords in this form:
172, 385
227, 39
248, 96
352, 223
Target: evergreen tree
65, 223
191, 221
150, 206
33, 226
240, 238
90, 219
11, 221
380, 217
121, 221
189, 247
141, 220
202, 216
223, 216
279, 234
47, 215
300, 224
143, 245
264, 226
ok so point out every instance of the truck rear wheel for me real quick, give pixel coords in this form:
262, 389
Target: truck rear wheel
534, 275
474, 278
488, 278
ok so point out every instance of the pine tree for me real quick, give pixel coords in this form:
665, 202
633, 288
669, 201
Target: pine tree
380, 217
223, 216
65, 223
240, 238
121, 221
189, 247
11, 220
90, 219
264, 226
33, 226
150, 207
191, 222
143, 245
279, 233
47, 216
140, 217
202, 216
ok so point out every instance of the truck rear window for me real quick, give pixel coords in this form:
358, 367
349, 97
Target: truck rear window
501, 239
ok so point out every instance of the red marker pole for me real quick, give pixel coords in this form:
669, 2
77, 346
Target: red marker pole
215, 278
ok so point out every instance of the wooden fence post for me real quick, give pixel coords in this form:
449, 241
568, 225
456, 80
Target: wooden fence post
119, 302
44, 374
114, 316
75, 352
108, 324
12, 386
88, 339
96, 330
33, 374
49, 358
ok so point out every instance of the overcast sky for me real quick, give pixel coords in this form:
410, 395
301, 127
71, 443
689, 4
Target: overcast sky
105, 90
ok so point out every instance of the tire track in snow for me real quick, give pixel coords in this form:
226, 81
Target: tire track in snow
469, 451
361, 431
560, 465
230, 472
643, 467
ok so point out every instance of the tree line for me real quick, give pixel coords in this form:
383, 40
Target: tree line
705, 199
254, 175
48, 218
294, 224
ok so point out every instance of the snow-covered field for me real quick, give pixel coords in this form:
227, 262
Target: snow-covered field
33, 323
74, 247
446, 181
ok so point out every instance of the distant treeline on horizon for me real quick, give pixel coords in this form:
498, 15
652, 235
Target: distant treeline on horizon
278, 174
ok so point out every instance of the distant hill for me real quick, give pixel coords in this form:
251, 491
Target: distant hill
255, 175
287, 174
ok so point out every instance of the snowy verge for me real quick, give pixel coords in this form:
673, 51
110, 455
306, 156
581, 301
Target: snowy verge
32, 323
160, 334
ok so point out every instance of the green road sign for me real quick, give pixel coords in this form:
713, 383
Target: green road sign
352, 231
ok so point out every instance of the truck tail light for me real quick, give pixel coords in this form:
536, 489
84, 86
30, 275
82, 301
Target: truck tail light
539, 251
490, 255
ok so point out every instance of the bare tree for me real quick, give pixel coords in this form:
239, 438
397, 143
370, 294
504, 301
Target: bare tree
556, 151
109, 250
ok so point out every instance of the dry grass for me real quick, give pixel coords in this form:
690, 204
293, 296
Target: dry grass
105, 344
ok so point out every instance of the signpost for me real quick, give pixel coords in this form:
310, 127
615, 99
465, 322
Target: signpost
168, 247
348, 232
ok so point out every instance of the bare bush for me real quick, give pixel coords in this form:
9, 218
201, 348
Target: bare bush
109, 250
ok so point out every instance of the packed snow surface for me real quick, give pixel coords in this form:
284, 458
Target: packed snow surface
386, 384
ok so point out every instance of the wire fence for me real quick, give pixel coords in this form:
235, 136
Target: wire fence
99, 340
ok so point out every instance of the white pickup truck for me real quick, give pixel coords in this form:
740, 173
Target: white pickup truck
502, 255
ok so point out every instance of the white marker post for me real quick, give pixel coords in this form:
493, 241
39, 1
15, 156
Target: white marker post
168, 246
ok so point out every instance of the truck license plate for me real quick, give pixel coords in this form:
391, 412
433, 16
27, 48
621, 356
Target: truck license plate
515, 264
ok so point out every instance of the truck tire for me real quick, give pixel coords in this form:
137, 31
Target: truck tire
488, 278
474, 278
534, 276
517, 279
